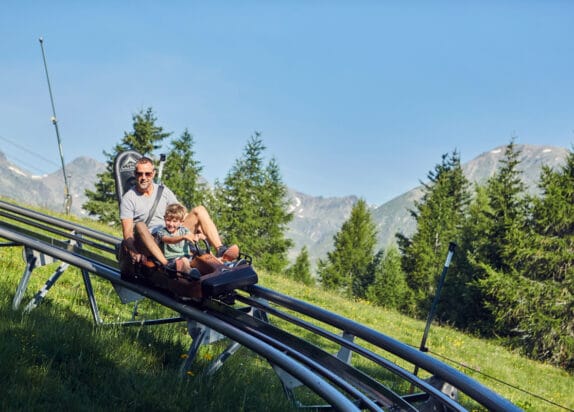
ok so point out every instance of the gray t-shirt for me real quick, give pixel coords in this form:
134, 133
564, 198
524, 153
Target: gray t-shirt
136, 206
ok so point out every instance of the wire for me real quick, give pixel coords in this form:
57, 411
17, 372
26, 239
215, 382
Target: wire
18, 163
500, 381
27, 151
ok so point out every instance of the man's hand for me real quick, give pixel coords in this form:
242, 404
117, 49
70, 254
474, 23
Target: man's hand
129, 243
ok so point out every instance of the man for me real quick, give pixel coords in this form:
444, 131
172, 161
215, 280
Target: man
136, 205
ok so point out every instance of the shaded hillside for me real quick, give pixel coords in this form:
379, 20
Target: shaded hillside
394, 216
315, 222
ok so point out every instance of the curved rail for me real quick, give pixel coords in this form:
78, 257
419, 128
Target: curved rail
316, 383
338, 382
478, 392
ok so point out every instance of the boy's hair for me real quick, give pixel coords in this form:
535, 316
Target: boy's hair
175, 210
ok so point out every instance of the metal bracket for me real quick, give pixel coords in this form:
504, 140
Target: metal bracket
290, 383
35, 259
202, 335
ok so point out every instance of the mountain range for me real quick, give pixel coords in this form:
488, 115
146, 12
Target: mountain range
316, 219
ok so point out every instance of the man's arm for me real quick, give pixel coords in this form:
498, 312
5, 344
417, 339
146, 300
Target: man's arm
128, 233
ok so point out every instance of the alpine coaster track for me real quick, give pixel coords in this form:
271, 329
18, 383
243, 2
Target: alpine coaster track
296, 358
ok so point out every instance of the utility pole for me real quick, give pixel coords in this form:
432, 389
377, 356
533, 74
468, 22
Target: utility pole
423, 347
68, 198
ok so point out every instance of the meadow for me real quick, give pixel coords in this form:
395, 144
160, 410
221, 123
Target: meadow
56, 356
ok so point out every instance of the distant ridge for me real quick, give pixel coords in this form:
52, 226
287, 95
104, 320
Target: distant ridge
394, 216
48, 190
316, 219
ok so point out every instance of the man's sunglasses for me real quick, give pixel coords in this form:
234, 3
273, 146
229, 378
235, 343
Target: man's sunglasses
146, 174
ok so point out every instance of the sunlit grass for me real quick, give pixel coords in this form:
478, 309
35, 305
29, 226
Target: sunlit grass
505, 371
56, 357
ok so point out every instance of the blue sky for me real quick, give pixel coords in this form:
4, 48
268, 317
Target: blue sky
351, 97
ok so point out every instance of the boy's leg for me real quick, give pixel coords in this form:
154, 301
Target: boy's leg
183, 266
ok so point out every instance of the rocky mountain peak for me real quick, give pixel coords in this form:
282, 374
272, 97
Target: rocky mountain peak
316, 219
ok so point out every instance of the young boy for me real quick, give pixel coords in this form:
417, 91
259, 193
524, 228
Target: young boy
174, 238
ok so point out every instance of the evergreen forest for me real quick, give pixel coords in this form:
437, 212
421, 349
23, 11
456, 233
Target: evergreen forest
511, 277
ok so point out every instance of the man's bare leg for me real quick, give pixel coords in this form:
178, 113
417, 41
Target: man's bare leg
199, 221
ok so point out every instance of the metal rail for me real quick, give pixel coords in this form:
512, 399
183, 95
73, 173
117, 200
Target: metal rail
59, 223
333, 378
319, 385
470, 387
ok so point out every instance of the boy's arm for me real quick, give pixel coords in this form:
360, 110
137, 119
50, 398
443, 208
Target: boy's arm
172, 239
168, 238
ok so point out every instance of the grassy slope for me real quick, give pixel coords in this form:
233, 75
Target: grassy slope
56, 357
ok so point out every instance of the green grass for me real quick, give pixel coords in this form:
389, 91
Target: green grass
56, 357
522, 380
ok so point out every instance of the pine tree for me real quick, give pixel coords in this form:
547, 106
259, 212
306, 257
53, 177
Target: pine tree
462, 301
145, 138
535, 304
553, 222
347, 266
500, 235
389, 286
253, 207
182, 173
274, 218
505, 217
439, 214
301, 269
